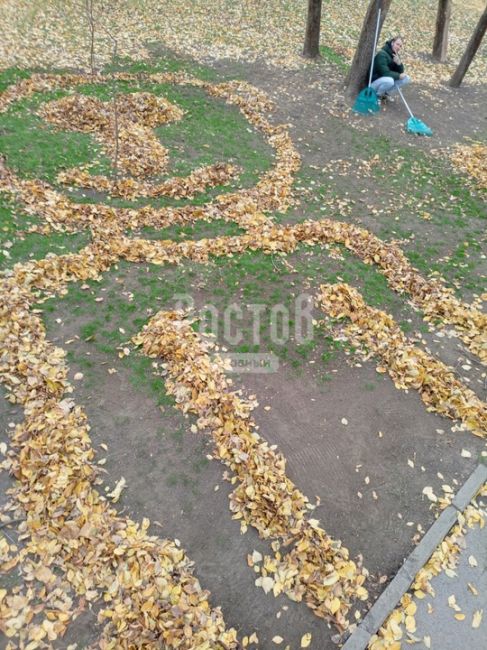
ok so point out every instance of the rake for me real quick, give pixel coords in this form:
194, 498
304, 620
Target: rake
414, 124
367, 100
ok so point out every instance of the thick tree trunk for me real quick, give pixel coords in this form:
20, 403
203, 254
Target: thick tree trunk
440, 44
469, 53
359, 72
311, 48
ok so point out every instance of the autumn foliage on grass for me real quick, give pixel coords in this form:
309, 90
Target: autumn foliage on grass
77, 549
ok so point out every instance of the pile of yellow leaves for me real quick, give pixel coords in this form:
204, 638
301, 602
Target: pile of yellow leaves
436, 301
472, 160
178, 187
409, 366
401, 624
318, 569
75, 543
90, 115
124, 128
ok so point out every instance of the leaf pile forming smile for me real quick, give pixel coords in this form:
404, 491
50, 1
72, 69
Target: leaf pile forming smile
178, 187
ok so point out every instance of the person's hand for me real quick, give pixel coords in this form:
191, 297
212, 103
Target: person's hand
402, 75
396, 59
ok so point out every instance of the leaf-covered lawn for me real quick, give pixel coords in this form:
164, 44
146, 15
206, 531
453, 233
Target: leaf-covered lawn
55, 33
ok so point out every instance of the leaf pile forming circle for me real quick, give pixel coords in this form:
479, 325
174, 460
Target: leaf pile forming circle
124, 127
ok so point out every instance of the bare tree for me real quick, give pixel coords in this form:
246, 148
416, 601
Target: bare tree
116, 126
440, 44
470, 52
91, 25
100, 16
106, 13
311, 48
73, 10
357, 77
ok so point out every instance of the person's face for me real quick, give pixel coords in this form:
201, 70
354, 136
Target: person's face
396, 46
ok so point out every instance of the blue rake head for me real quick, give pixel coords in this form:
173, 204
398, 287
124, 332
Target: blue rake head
366, 102
415, 125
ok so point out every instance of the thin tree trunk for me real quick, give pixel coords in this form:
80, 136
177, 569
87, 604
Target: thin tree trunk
116, 121
116, 134
358, 76
469, 53
440, 44
91, 24
311, 48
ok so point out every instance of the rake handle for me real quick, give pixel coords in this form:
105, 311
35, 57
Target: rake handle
405, 103
376, 38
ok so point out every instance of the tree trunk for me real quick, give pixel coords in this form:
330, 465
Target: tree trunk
358, 76
469, 53
440, 44
91, 24
311, 48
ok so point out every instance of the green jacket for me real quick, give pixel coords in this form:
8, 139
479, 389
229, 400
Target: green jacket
384, 65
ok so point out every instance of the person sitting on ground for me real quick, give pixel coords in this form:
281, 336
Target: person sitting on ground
388, 72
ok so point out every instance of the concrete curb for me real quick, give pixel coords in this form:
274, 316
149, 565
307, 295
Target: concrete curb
394, 591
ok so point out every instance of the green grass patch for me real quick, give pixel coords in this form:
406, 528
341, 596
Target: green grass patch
17, 245
330, 55
211, 131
